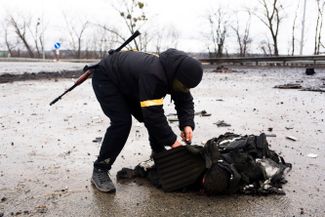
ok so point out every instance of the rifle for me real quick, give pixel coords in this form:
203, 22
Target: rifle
87, 70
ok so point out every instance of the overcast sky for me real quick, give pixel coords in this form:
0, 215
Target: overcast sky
188, 17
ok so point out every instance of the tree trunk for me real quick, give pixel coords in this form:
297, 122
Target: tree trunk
22, 36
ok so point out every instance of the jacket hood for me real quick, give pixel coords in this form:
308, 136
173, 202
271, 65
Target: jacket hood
177, 64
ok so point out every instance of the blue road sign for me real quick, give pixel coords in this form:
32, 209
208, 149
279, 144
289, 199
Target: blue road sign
57, 45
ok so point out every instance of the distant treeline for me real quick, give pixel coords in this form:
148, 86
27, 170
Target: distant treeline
88, 54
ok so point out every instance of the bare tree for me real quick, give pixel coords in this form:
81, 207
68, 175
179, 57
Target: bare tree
36, 33
271, 16
146, 38
218, 32
114, 32
20, 29
165, 38
293, 37
28, 34
319, 26
76, 34
7, 38
266, 47
243, 39
133, 15
101, 41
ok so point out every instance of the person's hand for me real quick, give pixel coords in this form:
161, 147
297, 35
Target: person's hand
176, 144
187, 134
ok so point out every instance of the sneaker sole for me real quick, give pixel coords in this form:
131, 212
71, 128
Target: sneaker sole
102, 189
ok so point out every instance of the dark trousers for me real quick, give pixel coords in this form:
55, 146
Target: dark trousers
119, 110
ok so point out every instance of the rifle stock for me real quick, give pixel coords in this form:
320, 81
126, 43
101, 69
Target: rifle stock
83, 77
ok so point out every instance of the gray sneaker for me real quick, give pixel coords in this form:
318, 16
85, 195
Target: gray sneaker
102, 181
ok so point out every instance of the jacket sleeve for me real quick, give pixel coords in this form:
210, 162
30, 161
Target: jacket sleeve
185, 109
151, 92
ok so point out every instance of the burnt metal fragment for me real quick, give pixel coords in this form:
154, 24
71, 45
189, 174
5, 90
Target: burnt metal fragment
310, 71
288, 86
222, 123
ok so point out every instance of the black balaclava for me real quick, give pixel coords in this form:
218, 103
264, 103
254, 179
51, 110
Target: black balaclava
189, 72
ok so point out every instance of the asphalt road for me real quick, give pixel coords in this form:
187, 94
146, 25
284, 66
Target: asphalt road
46, 153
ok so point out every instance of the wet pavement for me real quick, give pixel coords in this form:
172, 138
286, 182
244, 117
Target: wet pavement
46, 153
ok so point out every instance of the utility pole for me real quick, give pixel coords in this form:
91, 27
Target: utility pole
303, 29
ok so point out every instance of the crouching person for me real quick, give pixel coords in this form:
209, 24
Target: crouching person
134, 84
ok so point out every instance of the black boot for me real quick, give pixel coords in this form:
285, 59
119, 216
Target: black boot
102, 181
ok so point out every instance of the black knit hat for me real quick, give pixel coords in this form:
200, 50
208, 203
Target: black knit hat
189, 72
